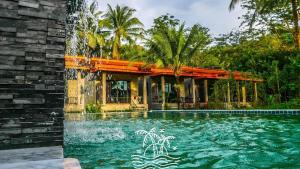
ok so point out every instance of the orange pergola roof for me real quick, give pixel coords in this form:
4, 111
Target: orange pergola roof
122, 66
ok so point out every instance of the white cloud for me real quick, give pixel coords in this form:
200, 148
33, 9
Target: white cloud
213, 14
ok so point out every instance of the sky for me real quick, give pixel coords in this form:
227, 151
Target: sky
213, 14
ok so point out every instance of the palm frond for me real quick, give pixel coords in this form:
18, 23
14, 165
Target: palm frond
233, 4
123, 25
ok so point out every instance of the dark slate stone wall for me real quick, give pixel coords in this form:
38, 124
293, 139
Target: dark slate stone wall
32, 44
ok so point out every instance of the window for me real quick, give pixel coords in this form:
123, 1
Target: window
118, 91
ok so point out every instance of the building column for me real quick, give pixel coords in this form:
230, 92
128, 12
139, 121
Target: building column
81, 95
255, 92
163, 92
238, 93
244, 95
134, 92
103, 88
194, 90
206, 90
145, 96
228, 93
182, 88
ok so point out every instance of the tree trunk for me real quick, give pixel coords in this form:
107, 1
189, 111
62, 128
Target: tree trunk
296, 26
278, 86
116, 48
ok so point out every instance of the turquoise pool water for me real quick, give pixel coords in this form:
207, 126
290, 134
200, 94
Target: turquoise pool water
200, 141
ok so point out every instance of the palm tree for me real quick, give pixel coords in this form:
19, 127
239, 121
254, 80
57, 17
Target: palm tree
262, 5
173, 47
124, 27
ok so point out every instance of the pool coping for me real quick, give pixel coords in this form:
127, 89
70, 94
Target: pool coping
256, 111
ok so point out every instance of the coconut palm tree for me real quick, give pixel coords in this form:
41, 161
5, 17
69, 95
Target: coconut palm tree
123, 25
263, 5
173, 47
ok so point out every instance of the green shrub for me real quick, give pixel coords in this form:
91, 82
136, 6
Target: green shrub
216, 105
92, 108
292, 104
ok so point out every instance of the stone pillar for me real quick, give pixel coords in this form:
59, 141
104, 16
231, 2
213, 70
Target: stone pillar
194, 90
103, 88
244, 95
238, 93
163, 91
255, 92
145, 96
206, 90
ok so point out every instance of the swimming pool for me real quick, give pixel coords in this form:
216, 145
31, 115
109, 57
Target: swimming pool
199, 140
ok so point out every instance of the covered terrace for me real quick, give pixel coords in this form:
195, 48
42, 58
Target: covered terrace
151, 87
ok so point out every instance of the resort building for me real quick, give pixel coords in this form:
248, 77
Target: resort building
117, 85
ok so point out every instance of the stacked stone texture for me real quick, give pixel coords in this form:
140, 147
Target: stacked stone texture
32, 44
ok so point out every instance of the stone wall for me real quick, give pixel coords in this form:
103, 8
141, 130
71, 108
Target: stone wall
32, 44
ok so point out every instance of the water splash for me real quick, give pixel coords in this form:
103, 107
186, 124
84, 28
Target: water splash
80, 23
91, 132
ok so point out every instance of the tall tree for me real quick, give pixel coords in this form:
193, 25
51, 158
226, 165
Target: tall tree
124, 27
263, 6
173, 47
296, 21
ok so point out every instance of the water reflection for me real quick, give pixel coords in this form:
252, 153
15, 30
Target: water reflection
104, 115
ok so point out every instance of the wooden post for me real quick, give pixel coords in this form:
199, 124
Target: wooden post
206, 90
228, 93
163, 92
244, 95
182, 88
229, 106
134, 91
238, 93
255, 92
103, 88
194, 90
81, 95
145, 96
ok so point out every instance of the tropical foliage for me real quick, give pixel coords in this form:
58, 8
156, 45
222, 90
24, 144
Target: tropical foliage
266, 45
272, 12
173, 45
123, 26
101, 34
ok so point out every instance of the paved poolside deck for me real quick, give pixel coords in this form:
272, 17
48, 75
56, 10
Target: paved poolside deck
36, 158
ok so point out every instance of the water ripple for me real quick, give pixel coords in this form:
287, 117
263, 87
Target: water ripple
202, 142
